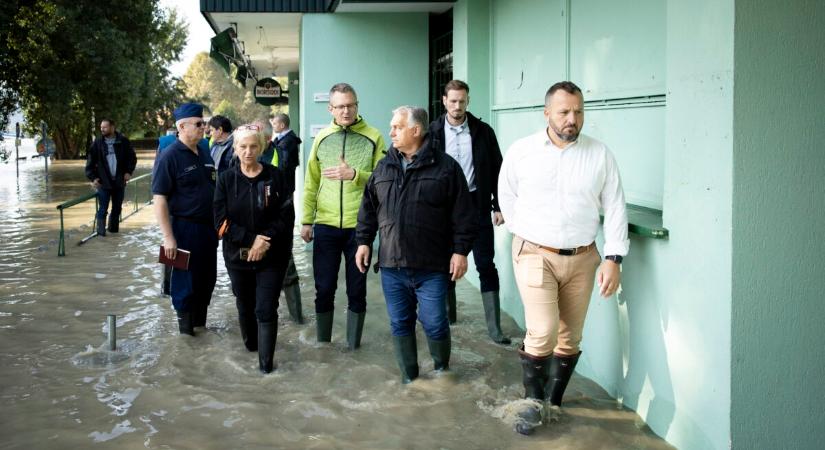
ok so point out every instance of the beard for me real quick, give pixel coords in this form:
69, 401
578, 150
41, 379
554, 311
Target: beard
566, 137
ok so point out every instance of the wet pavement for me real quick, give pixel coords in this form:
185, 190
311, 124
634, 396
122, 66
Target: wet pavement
62, 388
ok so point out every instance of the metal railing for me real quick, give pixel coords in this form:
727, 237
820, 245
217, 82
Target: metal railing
136, 206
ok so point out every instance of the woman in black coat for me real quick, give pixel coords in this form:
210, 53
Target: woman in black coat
254, 217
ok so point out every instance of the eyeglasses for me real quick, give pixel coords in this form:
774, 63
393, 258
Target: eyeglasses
350, 106
197, 124
249, 127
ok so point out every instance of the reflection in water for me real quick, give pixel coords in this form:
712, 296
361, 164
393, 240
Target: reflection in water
62, 387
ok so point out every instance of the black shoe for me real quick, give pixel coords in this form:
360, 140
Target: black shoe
492, 314
249, 332
324, 326
559, 373
406, 354
185, 323
267, 335
292, 294
114, 223
534, 376
451, 306
101, 226
440, 351
355, 327
199, 315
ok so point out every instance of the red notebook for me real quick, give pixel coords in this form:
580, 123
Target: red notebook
181, 260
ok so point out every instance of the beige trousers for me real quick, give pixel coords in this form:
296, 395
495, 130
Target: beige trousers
555, 291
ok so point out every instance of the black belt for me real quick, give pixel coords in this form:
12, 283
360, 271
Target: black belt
566, 251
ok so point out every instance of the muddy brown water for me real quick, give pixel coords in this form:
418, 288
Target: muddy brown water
62, 388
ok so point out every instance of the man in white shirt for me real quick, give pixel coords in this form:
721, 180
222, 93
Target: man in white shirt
551, 188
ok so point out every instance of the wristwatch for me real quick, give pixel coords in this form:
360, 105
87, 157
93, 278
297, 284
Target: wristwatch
615, 258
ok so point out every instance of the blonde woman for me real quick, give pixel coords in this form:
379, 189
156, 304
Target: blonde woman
254, 217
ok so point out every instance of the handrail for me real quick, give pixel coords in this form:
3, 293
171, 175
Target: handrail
61, 246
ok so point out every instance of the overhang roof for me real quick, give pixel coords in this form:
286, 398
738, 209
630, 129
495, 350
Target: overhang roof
270, 29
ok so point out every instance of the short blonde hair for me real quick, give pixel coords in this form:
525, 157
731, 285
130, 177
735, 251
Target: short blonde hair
245, 131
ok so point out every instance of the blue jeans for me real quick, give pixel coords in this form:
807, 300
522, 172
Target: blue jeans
404, 289
329, 244
115, 195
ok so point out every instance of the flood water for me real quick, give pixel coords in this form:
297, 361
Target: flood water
62, 388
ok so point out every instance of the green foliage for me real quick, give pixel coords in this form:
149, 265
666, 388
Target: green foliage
71, 63
209, 84
226, 109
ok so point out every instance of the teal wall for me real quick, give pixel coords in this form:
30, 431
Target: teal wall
471, 52
778, 361
658, 83
385, 57
294, 89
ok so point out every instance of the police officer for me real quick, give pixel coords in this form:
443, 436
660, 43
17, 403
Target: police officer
183, 188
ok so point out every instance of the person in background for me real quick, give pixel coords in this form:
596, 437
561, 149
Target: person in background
110, 163
473, 144
221, 138
555, 259
283, 152
254, 217
184, 186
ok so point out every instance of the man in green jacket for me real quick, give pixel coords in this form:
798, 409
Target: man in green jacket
341, 161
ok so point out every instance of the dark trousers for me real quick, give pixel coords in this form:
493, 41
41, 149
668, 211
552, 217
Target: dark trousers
113, 195
191, 289
256, 292
484, 249
329, 244
406, 290
291, 276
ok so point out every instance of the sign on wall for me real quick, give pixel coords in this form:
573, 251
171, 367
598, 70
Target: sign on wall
268, 92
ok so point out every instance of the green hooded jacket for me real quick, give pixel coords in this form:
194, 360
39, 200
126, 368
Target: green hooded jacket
336, 202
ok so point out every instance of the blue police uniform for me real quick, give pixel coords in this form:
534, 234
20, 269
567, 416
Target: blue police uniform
188, 182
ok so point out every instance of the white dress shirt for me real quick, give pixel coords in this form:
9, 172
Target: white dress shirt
457, 143
552, 196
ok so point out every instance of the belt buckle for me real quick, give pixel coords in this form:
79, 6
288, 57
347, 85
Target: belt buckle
567, 251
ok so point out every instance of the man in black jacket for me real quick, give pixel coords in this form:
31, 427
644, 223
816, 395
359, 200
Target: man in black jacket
418, 199
473, 144
110, 162
283, 153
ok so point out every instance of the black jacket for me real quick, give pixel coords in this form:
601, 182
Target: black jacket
254, 206
486, 156
424, 215
98, 167
289, 157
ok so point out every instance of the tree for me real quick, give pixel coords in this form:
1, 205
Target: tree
72, 63
209, 84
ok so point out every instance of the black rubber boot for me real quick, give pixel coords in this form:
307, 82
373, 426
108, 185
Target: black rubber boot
101, 226
451, 306
114, 223
199, 315
185, 323
534, 370
267, 335
167, 277
355, 326
561, 369
249, 331
292, 294
324, 326
440, 351
492, 314
406, 353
